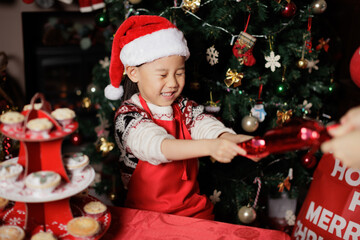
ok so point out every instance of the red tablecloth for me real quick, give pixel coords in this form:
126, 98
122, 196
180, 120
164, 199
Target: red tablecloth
138, 224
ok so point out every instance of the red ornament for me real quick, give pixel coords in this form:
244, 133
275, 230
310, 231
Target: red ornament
308, 161
289, 10
76, 139
355, 67
7, 144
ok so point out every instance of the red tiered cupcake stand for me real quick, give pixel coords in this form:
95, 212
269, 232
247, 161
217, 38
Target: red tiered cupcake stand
51, 212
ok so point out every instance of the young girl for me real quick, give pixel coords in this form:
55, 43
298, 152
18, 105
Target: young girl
160, 133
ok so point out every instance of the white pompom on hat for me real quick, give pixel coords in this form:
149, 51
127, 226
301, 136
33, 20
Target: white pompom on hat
142, 39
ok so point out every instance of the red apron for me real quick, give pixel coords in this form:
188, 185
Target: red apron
169, 187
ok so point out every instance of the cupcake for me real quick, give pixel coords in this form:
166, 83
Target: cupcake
10, 171
76, 162
43, 182
83, 227
39, 125
12, 120
37, 106
11, 232
43, 236
95, 209
64, 116
3, 203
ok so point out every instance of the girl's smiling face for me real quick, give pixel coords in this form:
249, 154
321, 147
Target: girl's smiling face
161, 81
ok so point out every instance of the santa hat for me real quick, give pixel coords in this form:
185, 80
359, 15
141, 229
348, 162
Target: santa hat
355, 67
142, 39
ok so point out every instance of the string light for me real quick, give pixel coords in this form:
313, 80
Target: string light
233, 36
280, 88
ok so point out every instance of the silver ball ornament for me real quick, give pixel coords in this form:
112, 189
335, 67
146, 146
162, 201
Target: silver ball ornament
247, 214
249, 123
318, 6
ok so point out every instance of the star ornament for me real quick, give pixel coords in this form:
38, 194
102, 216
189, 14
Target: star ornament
312, 65
272, 61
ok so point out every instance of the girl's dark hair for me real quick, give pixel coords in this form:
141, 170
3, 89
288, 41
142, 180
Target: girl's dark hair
130, 88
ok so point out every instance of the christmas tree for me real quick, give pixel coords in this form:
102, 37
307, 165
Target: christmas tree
255, 65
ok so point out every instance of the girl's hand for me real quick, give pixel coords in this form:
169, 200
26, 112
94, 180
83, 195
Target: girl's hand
349, 122
238, 138
224, 150
345, 148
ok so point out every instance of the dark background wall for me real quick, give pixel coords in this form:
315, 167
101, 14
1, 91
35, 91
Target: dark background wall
343, 20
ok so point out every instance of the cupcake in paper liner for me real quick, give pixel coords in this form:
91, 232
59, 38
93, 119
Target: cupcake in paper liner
37, 106
39, 125
12, 232
3, 203
64, 116
43, 236
12, 120
95, 209
83, 227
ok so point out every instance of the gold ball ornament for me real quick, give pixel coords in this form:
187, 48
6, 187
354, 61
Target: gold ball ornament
302, 63
194, 85
191, 5
247, 214
249, 123
112, 196
86, 103
318, 6
135, 1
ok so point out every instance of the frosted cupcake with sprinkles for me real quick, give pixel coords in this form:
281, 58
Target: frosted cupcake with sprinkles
10, 171
75, 162
43, 182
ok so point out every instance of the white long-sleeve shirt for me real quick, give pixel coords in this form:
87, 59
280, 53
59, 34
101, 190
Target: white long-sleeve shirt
138, 137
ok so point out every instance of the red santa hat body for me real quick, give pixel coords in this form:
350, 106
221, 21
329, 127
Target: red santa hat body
142, 39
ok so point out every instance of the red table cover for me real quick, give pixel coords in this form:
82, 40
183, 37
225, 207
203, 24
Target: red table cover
138, 224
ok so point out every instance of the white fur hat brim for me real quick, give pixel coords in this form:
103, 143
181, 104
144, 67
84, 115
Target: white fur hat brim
162, 43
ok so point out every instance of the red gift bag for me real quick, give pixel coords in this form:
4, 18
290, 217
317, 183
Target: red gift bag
331, 209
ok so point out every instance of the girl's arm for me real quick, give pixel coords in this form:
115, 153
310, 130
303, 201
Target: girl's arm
223, 149
236, 138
